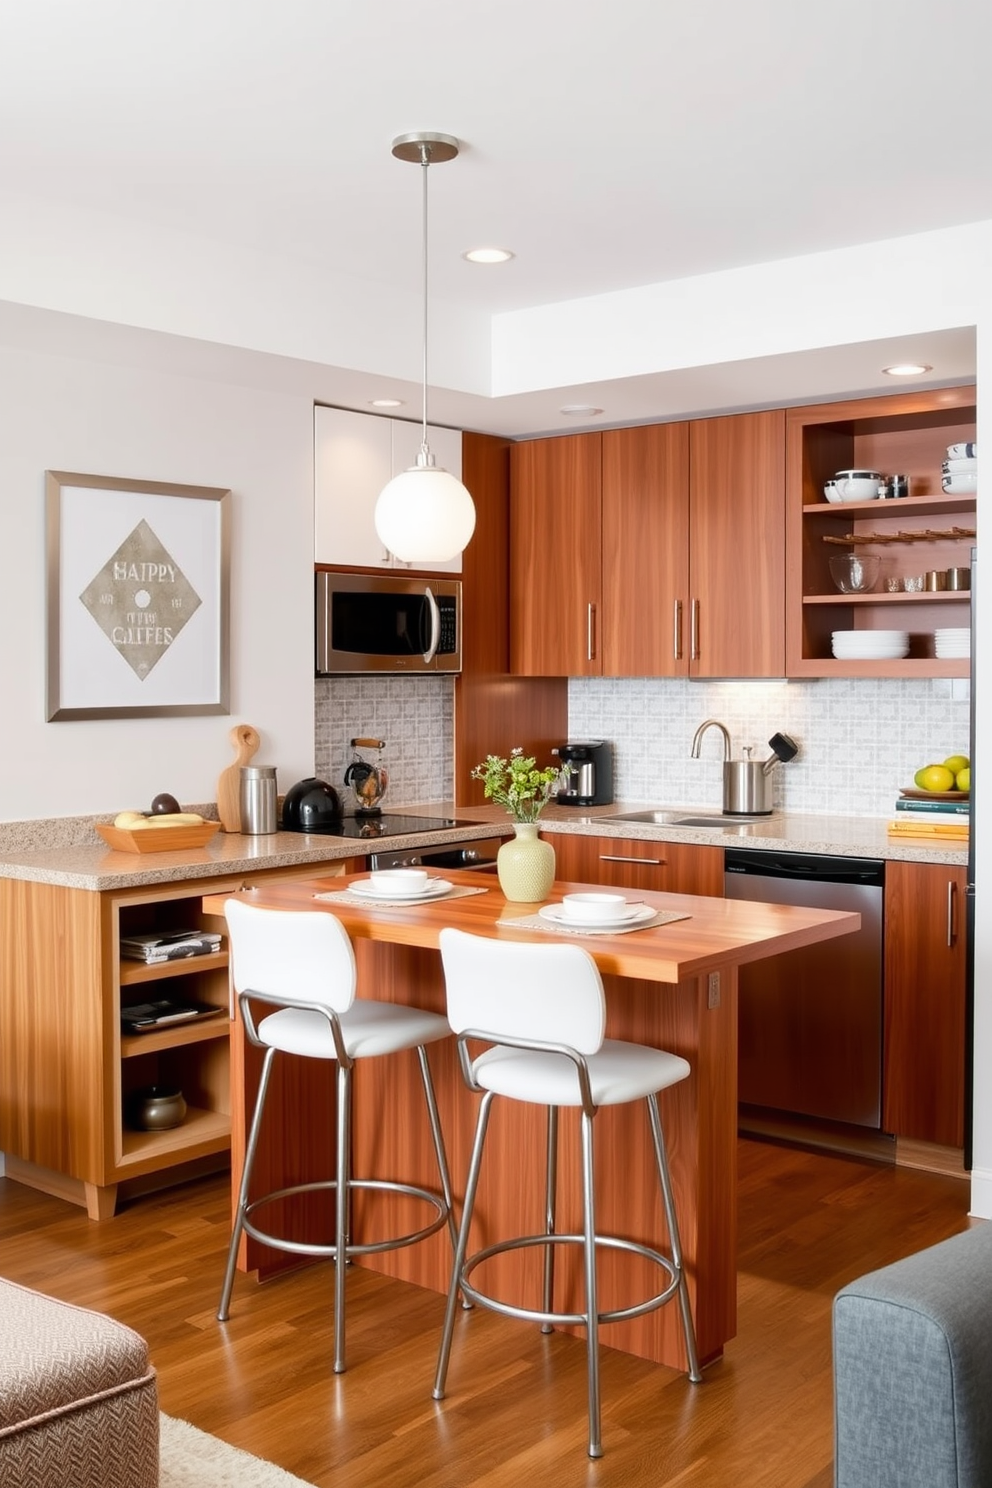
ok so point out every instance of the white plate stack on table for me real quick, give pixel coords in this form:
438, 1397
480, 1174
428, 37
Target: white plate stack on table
870, 645
596, 911
952, 644
959, 474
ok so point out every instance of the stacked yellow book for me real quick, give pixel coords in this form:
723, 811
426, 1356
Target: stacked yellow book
952, 830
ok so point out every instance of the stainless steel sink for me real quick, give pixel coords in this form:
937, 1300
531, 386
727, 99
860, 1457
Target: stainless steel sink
715, 820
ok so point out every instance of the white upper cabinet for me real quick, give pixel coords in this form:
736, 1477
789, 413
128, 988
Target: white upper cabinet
355, 454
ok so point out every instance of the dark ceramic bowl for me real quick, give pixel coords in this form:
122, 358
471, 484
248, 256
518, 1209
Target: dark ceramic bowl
156, 1108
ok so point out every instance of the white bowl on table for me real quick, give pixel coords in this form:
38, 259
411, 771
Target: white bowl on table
403, 881
595, 909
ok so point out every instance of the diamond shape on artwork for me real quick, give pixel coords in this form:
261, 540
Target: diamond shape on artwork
141, 599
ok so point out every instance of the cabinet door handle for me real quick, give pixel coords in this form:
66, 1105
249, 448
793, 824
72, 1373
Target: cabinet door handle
952, 918
694, 630
677, 629
619, 858
590, 632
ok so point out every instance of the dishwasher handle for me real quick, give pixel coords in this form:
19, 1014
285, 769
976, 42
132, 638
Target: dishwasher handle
809, 866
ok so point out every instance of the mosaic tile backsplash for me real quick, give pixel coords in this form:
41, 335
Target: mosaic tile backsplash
415, 716
859, 740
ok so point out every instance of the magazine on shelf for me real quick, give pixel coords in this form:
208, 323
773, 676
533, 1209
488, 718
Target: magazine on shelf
145, 1017
169, 945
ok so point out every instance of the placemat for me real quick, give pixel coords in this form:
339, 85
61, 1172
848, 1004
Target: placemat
345, 896
534, 922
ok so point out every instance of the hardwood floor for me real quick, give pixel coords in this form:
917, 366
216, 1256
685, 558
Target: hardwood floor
515, 1410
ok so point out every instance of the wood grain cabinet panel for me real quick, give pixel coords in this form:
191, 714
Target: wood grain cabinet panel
645, 551
657, 551
555, 556
626, 863
737, 545
925, 952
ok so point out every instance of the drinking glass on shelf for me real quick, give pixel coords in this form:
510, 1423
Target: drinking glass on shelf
914, 585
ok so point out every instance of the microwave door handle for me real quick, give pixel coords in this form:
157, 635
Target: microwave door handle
435, 639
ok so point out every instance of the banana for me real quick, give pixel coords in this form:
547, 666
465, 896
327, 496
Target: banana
129, 819
174, 819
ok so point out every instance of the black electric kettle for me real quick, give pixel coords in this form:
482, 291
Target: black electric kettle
312, 805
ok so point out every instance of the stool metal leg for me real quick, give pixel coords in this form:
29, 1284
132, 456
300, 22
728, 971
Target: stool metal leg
592, 1295
550, 1209
342, 1212
224, 1309
461, 1248
438, 1138
671, 1218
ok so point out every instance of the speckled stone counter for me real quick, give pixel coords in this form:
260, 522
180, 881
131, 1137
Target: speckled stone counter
67, 852
58, 856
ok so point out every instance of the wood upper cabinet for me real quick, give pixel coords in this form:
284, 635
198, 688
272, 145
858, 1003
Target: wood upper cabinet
556, 556
737, 546
925, 956
657, 551
645, 550
629, 863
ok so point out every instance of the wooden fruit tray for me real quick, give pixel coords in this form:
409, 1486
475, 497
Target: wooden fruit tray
158, 839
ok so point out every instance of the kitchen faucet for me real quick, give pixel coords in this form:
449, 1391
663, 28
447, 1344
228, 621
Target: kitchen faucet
697, 740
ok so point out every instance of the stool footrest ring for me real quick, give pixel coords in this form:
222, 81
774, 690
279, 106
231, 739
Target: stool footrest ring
316, 1248
610, 1242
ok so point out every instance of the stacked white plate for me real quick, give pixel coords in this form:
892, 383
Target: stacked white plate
959, 474
952, 644
870, 645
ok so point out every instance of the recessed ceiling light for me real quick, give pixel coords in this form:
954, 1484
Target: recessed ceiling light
488, 255
386, 403
572, 409
907, 369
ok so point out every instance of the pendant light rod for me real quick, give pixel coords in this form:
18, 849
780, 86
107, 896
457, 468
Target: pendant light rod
424, 515
425, 149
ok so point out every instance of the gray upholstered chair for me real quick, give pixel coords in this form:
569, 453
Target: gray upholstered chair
913, 1370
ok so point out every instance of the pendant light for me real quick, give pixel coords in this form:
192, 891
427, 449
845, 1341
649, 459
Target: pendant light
425, 515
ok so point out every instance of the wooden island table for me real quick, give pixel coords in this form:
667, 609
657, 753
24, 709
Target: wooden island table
673, 986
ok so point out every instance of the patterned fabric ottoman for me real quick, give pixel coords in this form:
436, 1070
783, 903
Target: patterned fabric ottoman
78, 1398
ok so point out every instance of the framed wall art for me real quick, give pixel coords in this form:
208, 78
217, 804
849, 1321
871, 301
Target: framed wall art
138, 598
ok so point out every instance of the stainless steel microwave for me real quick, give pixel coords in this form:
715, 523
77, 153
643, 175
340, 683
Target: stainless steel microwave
387, 623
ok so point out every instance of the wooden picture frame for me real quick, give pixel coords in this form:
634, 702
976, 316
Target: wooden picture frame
138, 589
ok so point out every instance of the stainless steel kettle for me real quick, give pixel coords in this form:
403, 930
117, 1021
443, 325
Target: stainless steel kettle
367, 780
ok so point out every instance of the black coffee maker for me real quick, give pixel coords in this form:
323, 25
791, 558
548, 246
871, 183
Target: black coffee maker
590, 777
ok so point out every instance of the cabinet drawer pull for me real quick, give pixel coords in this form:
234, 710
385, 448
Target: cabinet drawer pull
952, 919
677, 630
590, 632
694, 630
619, 858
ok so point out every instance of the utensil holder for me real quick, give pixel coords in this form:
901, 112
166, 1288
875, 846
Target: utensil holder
258, 799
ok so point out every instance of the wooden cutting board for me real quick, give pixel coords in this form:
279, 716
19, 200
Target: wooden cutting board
245, 740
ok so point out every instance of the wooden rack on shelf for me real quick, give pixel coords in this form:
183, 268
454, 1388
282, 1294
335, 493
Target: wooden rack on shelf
927, 535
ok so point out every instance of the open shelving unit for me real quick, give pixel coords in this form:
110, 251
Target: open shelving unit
906, 433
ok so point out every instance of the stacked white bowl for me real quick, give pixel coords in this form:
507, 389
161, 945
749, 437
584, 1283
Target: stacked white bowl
952, 644
870, 645
959, 474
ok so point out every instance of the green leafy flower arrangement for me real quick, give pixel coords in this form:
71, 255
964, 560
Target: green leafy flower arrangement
518, 784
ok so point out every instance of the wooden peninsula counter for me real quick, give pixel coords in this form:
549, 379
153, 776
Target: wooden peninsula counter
673, 986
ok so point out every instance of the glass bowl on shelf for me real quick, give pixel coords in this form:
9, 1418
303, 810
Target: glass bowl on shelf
855, 573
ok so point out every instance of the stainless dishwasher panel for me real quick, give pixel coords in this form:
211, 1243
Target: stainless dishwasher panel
810, 1021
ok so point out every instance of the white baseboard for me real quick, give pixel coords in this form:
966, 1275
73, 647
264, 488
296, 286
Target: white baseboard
981, 1194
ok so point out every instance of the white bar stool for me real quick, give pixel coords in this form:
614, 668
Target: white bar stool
303, 964
542, 1012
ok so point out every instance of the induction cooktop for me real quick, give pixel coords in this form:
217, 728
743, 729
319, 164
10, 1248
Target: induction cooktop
389, 824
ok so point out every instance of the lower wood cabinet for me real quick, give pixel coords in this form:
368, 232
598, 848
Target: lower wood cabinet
924, 1035
625, 863
67, 1068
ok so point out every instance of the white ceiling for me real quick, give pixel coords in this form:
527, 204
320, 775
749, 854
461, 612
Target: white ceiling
608, 147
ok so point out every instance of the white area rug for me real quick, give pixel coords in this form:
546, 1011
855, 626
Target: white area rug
192, 1459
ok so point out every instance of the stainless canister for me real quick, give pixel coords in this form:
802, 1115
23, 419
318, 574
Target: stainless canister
258, 799
747, 788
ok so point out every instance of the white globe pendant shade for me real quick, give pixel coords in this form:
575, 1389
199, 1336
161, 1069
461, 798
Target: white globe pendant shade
424, 515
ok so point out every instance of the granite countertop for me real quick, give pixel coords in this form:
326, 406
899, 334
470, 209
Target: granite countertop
66, 851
